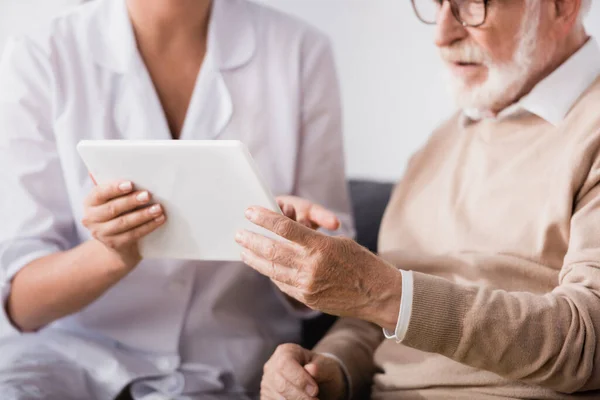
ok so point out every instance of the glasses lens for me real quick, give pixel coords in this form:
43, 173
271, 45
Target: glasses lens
427, 10
471, 12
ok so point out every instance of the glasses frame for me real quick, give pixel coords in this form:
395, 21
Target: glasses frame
455, 12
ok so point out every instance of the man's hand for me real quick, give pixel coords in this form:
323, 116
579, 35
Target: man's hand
307, 213
298, 374
118, 217
333, 275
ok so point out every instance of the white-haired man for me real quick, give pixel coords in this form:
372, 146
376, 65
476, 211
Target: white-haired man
497, 217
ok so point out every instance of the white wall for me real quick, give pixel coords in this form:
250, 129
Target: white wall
390, 72
21, 15
392, 89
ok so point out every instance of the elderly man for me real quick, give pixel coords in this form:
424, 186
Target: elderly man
497, 218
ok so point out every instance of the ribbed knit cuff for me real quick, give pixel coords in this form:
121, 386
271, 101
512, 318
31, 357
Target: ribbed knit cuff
438, 312
347, 377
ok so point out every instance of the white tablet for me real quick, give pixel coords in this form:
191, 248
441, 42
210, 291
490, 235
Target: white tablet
205, 187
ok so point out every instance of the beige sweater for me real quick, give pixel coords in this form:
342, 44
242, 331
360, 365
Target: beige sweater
500, 220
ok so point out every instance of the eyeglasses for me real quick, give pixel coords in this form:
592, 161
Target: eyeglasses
471, 13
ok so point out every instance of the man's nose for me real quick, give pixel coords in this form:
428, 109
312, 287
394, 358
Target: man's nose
448, 28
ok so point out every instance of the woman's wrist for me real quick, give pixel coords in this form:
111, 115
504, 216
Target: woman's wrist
115, 262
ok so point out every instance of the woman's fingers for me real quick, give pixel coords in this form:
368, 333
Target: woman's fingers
132, 220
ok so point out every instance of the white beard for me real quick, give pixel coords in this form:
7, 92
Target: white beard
504, 81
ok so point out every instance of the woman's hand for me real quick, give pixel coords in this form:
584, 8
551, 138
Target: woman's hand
119, 216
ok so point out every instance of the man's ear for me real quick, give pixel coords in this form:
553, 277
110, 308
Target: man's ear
567, 14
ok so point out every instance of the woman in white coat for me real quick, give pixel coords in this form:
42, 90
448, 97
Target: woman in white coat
83, 316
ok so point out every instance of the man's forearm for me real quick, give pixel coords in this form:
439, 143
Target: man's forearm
61, 284
547, 340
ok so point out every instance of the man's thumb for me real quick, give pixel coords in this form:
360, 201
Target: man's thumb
317, 368
312, 369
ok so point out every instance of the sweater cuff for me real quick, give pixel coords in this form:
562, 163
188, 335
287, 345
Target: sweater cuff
438, 311
345, 372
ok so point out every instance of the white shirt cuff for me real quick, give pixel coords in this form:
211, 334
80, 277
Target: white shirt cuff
406, 303
345, 372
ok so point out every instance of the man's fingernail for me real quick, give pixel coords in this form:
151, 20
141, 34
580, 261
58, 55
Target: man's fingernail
143, 197
125, 187
311, 390
250, 213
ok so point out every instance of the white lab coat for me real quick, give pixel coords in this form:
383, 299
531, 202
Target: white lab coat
268, 80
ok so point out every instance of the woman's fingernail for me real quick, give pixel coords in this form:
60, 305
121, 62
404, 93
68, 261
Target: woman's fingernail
160, 219
239, 236
250, 213
155, 209
125, 187
143, 197
311, 390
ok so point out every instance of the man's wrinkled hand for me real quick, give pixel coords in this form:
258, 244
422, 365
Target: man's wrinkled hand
333, 275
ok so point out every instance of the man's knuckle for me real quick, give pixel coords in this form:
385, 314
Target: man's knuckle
279, 383
299, 380
283, 227
346, 244
267, 367
264, 386
287, 348
310, 298
271, 251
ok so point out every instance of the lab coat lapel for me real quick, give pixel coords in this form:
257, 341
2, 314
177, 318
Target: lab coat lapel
137, 110
231, 44
138, 113
135, 106
211, 107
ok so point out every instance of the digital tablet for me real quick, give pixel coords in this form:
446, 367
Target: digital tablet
205, 186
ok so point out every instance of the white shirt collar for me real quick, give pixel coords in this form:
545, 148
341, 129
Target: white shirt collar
553, 97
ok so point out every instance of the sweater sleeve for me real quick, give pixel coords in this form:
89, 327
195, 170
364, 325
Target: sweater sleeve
550, 340
354, 342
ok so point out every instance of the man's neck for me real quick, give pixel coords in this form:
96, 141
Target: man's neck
162, 23
565, 51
